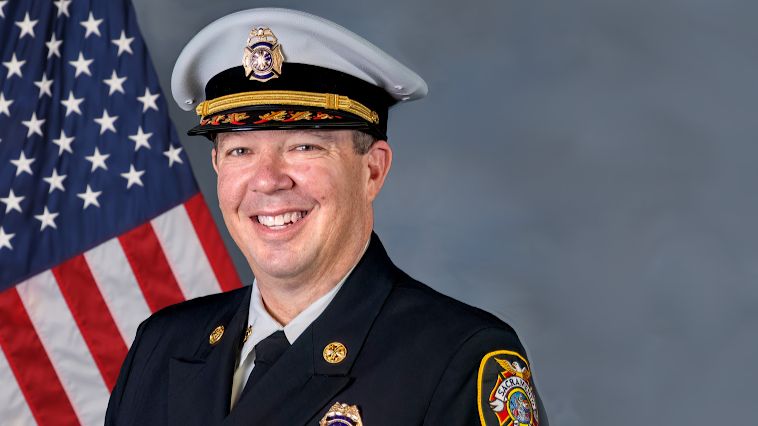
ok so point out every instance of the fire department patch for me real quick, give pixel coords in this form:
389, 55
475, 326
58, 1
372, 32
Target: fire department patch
505, 394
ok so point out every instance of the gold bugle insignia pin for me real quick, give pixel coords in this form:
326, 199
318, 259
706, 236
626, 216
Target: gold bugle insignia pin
335, 353
216, 335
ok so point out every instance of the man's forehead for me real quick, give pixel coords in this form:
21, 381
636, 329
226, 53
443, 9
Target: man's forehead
326, 135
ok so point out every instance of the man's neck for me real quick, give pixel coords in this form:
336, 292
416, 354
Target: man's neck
284, 300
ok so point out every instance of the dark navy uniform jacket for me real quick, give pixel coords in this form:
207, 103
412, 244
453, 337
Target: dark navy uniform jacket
414, 357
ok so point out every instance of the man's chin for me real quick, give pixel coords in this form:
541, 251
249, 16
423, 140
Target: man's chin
280, 267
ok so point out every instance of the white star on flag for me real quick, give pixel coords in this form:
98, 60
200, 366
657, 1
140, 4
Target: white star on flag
12, 202
14, 66
133, 176
5, 239
82, 65
44, 86
34, 125
23, 164
106, 122
97, 159
90, 197
148, 100
124, 44
53, 46
115, 83
2, 8
64, 143
173, 155
56, 181
5, 104
62, 6
46, 219
27, 26
72, 104
92, 25
140, 139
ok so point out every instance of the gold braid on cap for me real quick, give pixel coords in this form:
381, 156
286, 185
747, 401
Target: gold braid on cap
287, 97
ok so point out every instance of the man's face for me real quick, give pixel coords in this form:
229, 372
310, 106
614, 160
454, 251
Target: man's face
297, 203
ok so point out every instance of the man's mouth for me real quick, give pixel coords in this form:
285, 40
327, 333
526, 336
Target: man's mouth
281, 220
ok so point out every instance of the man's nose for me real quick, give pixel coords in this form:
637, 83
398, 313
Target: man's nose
270, 175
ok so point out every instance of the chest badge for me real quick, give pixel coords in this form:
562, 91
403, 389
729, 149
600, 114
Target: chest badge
342, 415
262, 58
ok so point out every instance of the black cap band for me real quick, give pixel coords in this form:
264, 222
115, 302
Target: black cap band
298, 79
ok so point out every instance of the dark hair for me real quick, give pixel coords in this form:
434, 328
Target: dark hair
362, 142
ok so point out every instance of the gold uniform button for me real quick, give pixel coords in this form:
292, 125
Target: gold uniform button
216, 335
335, 353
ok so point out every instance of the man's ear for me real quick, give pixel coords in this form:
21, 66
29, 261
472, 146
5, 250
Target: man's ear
379, 160
214, 152
213, 159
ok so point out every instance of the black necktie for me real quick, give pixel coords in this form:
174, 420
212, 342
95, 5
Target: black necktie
267, 352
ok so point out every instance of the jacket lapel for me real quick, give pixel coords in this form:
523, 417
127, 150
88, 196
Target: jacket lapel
302, 383
200, 387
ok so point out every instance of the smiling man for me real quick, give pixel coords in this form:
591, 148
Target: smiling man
330, 332
298, 204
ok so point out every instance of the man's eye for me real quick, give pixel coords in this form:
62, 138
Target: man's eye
236, 152
305, 148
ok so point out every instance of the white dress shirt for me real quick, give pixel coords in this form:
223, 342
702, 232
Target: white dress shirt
263, 325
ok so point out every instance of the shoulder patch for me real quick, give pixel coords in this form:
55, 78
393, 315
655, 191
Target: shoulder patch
505, 395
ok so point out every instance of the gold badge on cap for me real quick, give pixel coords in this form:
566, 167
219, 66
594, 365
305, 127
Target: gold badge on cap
216, 335
263, 56
335, 353
343, 415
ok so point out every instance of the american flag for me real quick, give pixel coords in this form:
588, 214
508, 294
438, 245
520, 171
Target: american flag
101, 221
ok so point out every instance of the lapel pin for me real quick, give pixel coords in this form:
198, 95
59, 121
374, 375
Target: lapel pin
335, 353
343, 415
248, 332
216, 335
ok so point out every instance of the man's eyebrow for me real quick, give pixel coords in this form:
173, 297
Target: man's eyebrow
325, 135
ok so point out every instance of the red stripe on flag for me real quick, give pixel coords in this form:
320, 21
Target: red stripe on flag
32, 368
210, 239
150, 267
92, 316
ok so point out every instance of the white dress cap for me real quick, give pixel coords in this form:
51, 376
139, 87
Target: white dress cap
305, 39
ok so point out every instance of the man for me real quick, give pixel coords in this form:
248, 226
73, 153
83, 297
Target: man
330, 332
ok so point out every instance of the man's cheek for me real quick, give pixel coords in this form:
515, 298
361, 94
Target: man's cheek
229, 190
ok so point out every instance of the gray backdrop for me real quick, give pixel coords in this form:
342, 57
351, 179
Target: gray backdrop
585, 170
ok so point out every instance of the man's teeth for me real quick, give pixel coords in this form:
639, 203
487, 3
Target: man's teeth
282, 219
